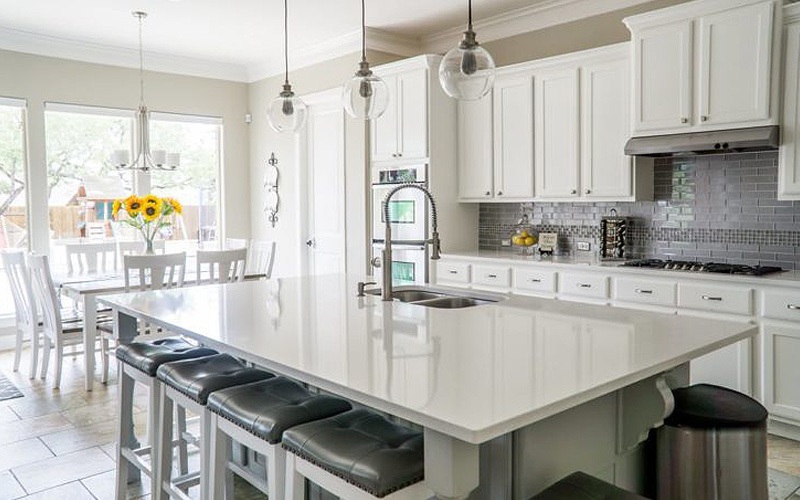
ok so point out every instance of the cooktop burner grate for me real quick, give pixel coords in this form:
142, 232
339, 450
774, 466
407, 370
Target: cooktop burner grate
704, 267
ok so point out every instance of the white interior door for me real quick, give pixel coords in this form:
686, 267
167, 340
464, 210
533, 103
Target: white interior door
325, 148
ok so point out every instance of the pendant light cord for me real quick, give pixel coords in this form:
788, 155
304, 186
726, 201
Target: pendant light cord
469, 10
286, 40
363, 31
141, 61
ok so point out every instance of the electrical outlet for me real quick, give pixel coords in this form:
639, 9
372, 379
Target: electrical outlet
505, 243
584, 246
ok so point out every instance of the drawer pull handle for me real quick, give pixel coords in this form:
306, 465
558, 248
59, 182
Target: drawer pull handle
537, 280
793, 307
452, 271
493, 276
584, 285
647, 292
710, 297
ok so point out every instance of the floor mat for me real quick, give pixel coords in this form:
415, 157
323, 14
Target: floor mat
7, 389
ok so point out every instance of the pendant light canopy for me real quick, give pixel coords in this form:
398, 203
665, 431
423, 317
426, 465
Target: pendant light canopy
287, 112
366, 95
467, 70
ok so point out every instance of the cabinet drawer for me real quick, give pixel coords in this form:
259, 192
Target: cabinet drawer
732, 300
533, 280
660, 293
452, 272
491, 275
584, 285
781, 304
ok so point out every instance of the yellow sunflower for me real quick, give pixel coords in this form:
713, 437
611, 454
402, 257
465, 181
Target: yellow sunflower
176, 205
151, 212
115, 208
151, 199
133, 205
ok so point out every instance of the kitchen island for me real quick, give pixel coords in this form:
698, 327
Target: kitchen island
572, 386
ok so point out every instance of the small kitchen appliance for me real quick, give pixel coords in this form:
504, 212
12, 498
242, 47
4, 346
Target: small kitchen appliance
613, 236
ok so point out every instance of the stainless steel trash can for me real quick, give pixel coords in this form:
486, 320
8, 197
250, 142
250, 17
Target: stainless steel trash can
713, 447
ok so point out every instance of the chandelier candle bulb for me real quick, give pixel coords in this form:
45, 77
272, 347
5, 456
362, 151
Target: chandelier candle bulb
173, 160
159, 157
120, 157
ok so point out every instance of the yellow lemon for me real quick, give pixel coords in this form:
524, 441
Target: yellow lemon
529, 241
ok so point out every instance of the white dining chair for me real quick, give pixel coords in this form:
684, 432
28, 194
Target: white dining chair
144, 272
90, 257
231, 243
221, 266
261, 257
26, 318
56, 333
135, 247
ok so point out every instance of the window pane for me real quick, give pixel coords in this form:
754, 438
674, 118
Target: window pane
81, 179
195, 182
13, 217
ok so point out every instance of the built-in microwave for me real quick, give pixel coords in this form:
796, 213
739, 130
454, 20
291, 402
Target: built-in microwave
408, 208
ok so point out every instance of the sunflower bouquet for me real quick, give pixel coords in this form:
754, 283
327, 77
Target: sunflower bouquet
148, 214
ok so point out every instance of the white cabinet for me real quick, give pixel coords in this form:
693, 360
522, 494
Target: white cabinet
592, 286
645, 291
715, 298
402, 131
781, 388
475, 150
491, 275
789, 165
705, 65
513, 137
556, 136
452, 273
662, 80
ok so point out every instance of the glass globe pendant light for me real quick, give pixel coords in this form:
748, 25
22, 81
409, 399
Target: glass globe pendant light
467, 70
365, 95
286, 113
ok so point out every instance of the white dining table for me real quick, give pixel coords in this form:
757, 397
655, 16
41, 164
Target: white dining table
84, 290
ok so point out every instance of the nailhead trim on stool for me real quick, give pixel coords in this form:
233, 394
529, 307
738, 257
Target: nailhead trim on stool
256, 415
138, 363
363, 448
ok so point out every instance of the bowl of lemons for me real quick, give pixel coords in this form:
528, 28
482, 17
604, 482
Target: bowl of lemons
523, 236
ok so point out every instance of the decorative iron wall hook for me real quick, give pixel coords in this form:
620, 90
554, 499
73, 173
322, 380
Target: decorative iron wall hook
272, 203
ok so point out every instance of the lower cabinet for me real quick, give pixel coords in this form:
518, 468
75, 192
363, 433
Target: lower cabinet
782, 370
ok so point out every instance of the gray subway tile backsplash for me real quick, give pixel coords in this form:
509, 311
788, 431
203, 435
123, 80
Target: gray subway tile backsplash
720, 207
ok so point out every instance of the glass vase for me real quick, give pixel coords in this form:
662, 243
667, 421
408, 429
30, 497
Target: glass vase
148, 247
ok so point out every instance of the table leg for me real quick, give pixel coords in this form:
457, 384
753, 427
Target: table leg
452, 466
89, 336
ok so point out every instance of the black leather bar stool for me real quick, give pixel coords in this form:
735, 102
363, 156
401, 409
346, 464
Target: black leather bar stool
582, 486
356, 455
138, 362
187, 384
256, 415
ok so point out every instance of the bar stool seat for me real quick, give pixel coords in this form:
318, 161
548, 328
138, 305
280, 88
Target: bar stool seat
138, 363
362, 448
187, 385
582, 486
256, 415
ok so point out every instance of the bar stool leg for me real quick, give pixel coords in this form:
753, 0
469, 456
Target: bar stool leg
183, 454
276, 465
124, 432
164, 448
205, 456
295, 482
220, 477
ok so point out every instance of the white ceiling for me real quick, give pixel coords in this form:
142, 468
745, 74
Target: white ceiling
243, 39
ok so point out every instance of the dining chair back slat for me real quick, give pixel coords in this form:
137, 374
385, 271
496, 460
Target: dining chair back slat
25, 314
134, 247
261, 257
90, 258
154, 272
221, 266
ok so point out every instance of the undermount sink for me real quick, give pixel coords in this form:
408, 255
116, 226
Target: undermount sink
440, 299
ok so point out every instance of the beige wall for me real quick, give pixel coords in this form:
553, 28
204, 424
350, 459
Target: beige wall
44, 79
289, 232
597, 31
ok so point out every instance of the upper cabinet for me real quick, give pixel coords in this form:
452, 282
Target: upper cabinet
475, 150
705, 65
789, 164
513, 137
401, 132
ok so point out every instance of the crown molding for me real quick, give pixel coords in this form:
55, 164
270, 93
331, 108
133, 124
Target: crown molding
541, 15
377, 39
65, 48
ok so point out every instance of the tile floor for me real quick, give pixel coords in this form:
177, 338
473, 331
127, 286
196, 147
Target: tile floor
60, 444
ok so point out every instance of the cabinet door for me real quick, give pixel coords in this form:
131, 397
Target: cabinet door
412, 89
789, 164
662, 82
513, 138
384, 129
606, 172
735, 65
556, 140
475, 157
781, 371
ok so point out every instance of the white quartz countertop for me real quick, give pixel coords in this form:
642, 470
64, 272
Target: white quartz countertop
474, 373
784, 279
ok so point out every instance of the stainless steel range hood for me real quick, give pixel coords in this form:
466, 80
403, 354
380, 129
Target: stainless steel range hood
720, 141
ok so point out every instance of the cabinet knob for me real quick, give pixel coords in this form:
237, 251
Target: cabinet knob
704, 118
588, 191
574, 191
684, 120
488, 193
499, 193
399, 154
394, 155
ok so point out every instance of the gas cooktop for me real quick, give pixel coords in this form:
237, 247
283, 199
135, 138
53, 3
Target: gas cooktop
703, 267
